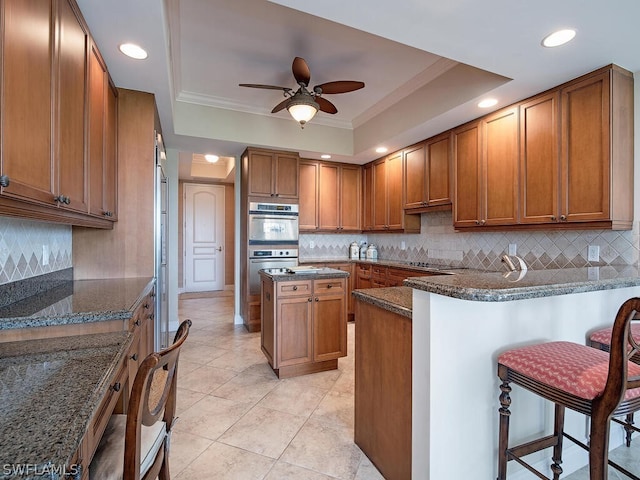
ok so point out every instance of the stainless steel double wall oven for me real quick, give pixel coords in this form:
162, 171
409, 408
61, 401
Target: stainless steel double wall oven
273, 239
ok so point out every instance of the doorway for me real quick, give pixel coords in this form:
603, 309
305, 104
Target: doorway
204, 237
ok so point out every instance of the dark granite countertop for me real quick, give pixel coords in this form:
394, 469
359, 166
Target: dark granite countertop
49, 391
440, 269
500, 287
79, 301
394, 299
280, 274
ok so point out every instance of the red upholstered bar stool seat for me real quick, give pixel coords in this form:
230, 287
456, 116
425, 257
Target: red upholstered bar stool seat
574, 376
601, 340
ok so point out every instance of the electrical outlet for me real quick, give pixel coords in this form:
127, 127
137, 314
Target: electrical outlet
403, 245
593, 253
312, 244
513, 249
45, 254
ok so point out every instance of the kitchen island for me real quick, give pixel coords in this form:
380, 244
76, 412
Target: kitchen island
303, 319
461, 323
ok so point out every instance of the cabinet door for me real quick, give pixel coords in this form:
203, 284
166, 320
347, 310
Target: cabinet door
347, 267
438, 157
415, 176
309, 196
467, 171
500, 189
70, 103
286, 176
329, 193
395, 204
27, 107
294, 330
97, 102
367, 196
329, 327
539, 159
350, 198
111, 155
586, 149
261, 183
379, 194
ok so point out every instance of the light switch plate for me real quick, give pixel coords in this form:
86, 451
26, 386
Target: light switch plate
593, 253
513, 249
45, 254
312, 244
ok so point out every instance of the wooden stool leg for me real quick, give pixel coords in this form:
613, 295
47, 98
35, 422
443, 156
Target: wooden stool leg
503, 440
558, 429
629, 421
599, 447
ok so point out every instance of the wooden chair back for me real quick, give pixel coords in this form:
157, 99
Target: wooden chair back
153, 396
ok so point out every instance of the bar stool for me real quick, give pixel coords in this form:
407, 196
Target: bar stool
581, 378
601, 340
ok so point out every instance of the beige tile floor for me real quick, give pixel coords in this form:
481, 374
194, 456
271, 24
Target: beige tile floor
237, 420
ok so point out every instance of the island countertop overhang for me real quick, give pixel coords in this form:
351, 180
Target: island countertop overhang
503, 287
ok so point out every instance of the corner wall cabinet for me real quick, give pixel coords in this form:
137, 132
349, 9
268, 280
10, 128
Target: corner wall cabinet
426, 175
573, 148
46, 97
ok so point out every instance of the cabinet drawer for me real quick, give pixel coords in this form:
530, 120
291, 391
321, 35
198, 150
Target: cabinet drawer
292, 289
363, 271
330, 285
103, 413
378, 272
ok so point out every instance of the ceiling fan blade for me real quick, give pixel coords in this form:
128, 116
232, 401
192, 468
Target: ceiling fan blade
301, 71
268, 87
280, 106
326, 106
341, 86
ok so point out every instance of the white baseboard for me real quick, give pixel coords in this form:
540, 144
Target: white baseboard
237, 319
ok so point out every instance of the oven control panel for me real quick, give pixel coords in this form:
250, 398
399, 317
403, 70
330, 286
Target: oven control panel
271, 253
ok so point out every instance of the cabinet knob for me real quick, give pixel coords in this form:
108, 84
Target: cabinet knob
553, 218
309, 299
563, 218
145, 306
477, 222
295, 287
137, 322
116, 387
317, 299
482, 222
4, 181
134, 357
329, 286
150, 316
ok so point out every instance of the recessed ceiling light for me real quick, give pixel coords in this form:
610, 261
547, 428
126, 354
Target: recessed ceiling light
558, 38
381, 150
211, 158
325, 156
488, 102
134, 51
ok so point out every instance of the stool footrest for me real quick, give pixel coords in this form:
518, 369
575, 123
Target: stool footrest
533, 446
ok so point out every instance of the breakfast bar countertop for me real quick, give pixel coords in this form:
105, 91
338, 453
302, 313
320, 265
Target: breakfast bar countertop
394, 299
51, 389
74, 302
519, 285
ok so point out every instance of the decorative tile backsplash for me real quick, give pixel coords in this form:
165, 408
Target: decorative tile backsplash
22, 244
439, 244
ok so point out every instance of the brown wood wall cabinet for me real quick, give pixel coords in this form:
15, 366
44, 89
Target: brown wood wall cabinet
48, 99
427, 178
272, 174
562, 159
304, 325
330, 197
384, 189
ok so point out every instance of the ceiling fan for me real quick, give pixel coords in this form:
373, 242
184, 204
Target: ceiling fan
304, 103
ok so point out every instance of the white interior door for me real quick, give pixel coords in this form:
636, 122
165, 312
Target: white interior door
204, 237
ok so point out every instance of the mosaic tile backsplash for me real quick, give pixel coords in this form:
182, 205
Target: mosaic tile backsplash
21, 248
439, 244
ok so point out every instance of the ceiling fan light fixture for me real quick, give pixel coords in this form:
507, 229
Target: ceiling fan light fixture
302, 108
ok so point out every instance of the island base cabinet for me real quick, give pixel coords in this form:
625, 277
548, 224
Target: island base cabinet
303, 325
382, 426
